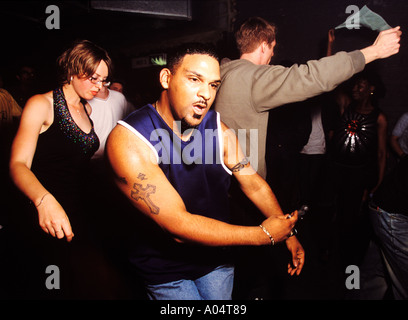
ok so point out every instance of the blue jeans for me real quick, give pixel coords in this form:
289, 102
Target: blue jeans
387, 261
216, 285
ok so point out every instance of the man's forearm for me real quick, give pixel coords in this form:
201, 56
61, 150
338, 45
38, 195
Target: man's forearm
262, 196
209, 232
370, 54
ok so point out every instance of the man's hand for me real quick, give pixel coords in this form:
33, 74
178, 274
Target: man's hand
386, 45
280, 227
298, 256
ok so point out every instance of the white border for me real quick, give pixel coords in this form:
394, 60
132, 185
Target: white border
221, 143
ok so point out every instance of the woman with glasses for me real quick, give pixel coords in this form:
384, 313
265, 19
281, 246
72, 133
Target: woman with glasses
55, 142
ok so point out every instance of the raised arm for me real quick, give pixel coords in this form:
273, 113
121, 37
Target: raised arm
386, 45
330, 41
276, 85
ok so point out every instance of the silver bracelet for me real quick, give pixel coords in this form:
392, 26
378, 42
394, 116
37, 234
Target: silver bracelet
37, 205
268, 234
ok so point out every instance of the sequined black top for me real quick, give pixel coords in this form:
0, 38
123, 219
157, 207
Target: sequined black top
355, 139
63, 152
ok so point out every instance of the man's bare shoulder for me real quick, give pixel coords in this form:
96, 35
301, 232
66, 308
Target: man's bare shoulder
124, 144
120, 137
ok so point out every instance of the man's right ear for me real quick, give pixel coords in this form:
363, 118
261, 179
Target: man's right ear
165, 75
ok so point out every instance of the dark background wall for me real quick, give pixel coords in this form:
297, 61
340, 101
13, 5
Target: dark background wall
302, 35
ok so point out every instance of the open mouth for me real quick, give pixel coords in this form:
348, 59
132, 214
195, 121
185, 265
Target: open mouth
199, 109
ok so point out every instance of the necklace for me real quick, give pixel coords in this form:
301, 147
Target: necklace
78, 111
160, 114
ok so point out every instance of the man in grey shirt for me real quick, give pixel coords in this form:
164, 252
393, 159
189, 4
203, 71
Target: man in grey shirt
251, 87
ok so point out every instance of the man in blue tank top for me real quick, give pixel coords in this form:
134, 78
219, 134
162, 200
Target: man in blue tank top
174, 159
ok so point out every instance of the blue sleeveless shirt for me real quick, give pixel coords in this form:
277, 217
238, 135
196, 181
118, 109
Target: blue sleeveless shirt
196, 170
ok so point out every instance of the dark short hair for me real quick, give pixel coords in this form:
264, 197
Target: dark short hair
81, 59
374, 79
177, 54
253, 32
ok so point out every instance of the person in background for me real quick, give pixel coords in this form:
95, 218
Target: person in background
108, 107
384, 271
10, 113
399, 137
358, 154
117, 86
26, 85
251, 87
49, 161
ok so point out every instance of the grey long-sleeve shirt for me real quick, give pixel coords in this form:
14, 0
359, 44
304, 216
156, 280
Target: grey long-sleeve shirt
248, 91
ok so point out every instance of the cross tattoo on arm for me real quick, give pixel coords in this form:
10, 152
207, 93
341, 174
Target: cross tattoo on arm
140, 193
